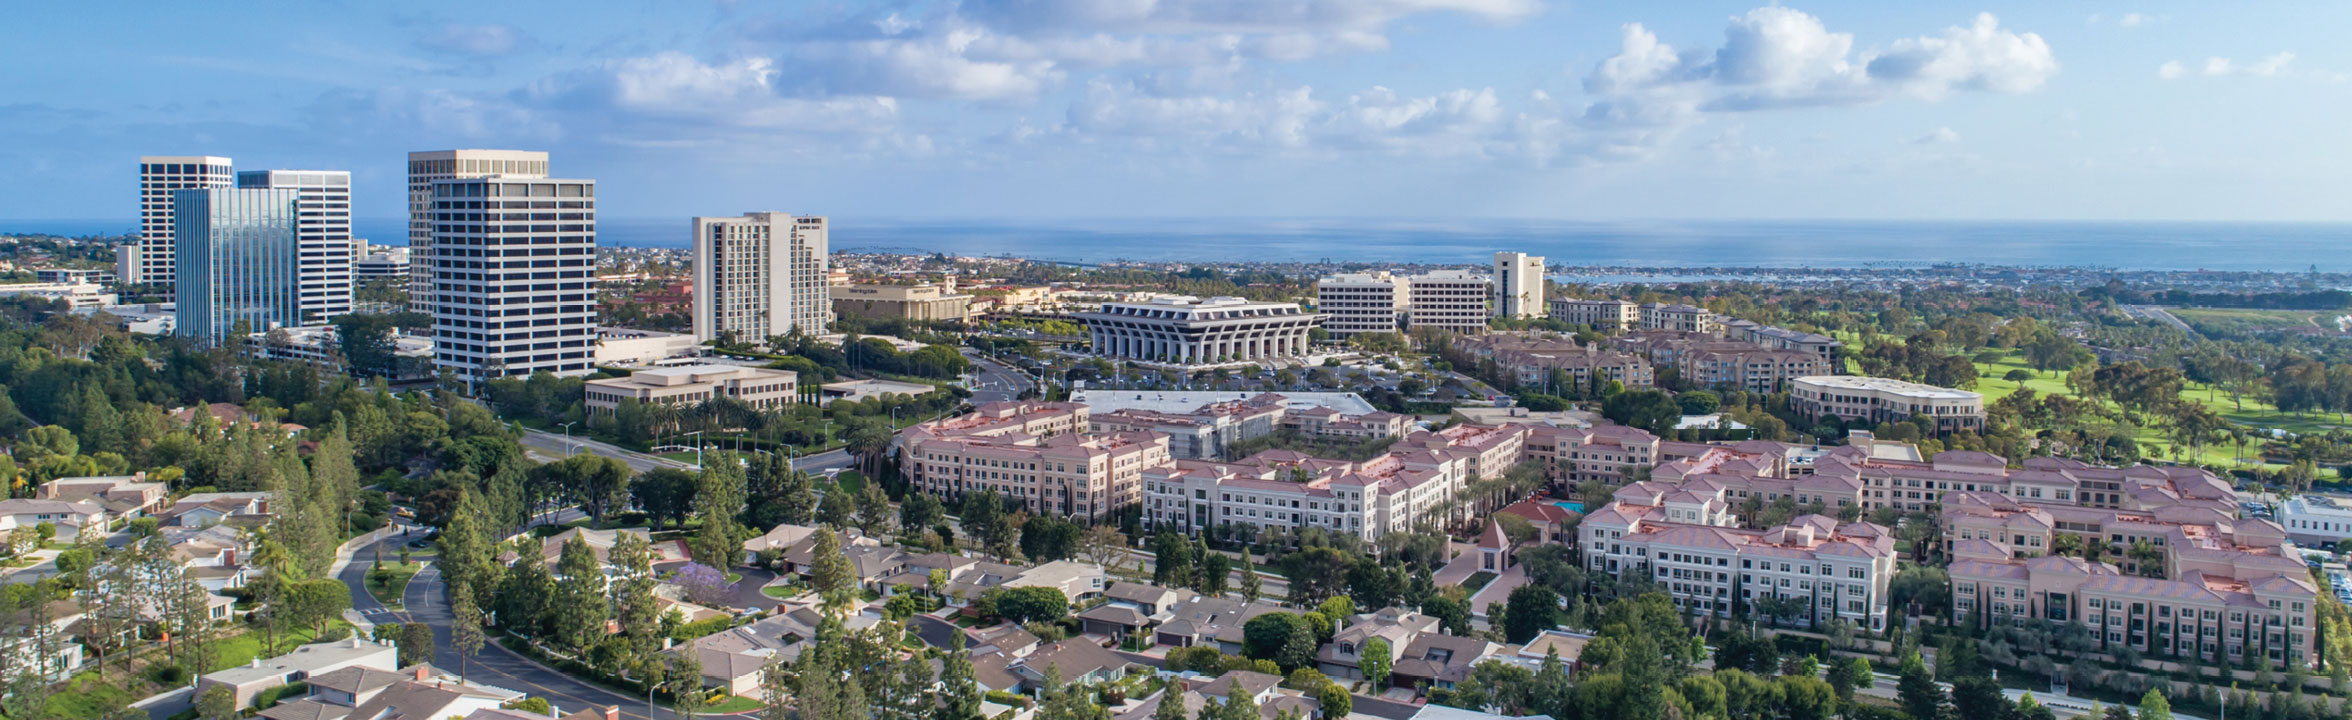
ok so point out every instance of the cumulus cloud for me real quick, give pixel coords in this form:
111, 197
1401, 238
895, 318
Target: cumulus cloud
476, 41
967, 63
2269, 66
1269, 17
737, 93
1777, 57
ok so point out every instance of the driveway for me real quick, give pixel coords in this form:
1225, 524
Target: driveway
1499, 590
933, 631
1464, 564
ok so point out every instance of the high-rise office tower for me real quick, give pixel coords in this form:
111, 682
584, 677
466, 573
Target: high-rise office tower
149, 261
236, 268
513, 276
322, 230
428, 166
1518, 285
759, 276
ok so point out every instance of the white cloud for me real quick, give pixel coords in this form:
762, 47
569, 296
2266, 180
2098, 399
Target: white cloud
1276, 119
737, 93
1228, 16
2272, 65
2134, 19
950, 63
1775, 57
1938, 136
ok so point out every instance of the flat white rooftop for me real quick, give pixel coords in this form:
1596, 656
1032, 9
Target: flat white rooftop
1180, 401
1890, 385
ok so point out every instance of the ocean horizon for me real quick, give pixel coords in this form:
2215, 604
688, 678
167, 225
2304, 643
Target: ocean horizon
2225, 246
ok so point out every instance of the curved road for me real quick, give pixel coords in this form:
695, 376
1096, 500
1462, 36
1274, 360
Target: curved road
494, 665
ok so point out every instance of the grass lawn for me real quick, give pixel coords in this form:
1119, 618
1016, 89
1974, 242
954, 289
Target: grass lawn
688, 457
734, 577
241, 649
2247, 411
2229, 320
852, 484
732, 704
389, 587
86, 696
782, 592
1478, 581
966, 622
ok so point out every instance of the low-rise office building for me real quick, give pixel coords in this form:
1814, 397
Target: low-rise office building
73, 294
2316, 519
1380, 301
918, 303
1185, 330
71, 276
1877, 400
761, 388
624, 347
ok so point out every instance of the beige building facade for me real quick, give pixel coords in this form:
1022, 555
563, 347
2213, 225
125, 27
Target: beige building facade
920, 303
761, 388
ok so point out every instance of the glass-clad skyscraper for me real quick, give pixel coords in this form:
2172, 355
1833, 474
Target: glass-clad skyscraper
236, 264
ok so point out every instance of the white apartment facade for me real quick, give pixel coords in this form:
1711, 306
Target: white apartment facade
1875, 400
1417, 481
322, 231
1604, 316
1450, 300
512, 266
1186, 330
1036, 454
760, 275
1685, 318
1369, 302
1518, 285
1686, 541
150, 260
424, 168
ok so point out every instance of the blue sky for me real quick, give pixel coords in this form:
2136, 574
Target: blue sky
1175, 108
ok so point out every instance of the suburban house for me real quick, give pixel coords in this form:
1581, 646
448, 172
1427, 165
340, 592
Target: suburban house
1007, 638
1438, 660
735, 658
1342, 658
217, 508
300, 665
778, 538
1551, 522
1131, 609
1079, 661
20, 640
417, 692
74, 520
214, 555
123, 496
1569, 645
1265, 691
1202, 619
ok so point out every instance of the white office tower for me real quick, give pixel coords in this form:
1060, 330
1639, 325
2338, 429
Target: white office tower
1518, 285
427, 166
513, 277
759, 276
149, 261
322, 229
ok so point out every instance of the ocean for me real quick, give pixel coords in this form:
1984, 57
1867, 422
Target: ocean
1771, 244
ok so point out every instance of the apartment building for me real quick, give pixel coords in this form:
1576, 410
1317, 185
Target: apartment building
2316, 519
1037, 454
1782, 339
1518, 285
1186, 330
1329, 422
236, 268
426, 167
512, 264
151, 259
1857, 398
1540, 361
2228, 589
1419, 480
918, 303
1203, 433
761, 275
1604, 453
1680, 318
1684, 538
1876, 476
1603, 316
1381, 301
1705, 361
322, 233
761, 388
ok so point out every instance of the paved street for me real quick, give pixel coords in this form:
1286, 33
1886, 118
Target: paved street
559, 445
996, 382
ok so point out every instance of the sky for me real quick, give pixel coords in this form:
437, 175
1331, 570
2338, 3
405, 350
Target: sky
1407, 109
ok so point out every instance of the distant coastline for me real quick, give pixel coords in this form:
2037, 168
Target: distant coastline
2274, 247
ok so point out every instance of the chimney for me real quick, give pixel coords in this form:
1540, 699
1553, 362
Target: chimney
256, 664
612, 712
420, 671
354, 640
